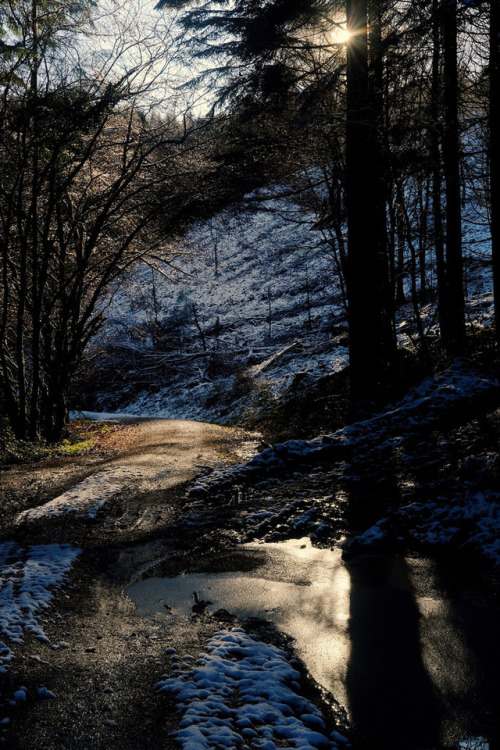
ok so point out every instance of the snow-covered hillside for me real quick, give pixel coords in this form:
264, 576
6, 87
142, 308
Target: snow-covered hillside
251, 307
250, 312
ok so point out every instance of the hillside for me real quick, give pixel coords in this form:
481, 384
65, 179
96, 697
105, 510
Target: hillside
250, 315
250, 310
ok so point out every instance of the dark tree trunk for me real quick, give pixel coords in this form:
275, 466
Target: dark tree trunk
34, 409
453, 333
435, 154
365, 201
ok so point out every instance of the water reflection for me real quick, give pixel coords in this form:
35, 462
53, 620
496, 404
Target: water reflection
303, 590
379, 633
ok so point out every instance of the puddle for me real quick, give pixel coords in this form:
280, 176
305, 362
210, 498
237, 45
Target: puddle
380, 635
303, 590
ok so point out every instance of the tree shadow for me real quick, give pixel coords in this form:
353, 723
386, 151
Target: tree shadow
392, 701
472, 699
425, 646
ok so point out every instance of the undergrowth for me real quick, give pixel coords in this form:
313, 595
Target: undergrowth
326, 406
79, 437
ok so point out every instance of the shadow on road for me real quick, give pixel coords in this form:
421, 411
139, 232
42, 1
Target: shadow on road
425, 647
392, 701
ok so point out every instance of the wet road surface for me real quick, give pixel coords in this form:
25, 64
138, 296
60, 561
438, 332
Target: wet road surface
401, 643
410, 647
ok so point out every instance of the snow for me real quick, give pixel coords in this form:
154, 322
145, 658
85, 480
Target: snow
86, 498
471, 523
474, 743
269, 312
243, 693
423, 405
104, 416
465, 521
253, 315
28, 580
274, 324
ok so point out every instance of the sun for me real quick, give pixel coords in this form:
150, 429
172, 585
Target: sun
340, 35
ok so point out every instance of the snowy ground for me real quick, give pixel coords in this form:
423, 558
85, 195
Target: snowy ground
86, 498
244, 693
254, 297
29, 579
250, 313
253, 315
214, 711
470, 523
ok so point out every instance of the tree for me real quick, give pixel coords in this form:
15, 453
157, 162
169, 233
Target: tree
402, 92
494, 151
369, 318
78, 204
276, 48
453, 305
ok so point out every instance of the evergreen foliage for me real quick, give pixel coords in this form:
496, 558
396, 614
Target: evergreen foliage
404, 65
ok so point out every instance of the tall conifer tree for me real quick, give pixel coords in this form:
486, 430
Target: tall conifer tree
258, 38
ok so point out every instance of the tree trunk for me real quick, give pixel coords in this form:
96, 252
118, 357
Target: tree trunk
494, 153
365, 201
435, 154
34, 408
453, 334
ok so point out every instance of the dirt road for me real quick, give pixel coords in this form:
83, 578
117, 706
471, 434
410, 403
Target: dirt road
409, 647
103, 659
132, 492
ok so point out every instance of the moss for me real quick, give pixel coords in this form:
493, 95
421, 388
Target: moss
70, 449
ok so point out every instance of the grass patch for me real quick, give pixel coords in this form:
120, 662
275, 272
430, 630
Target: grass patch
80, 437
70, 449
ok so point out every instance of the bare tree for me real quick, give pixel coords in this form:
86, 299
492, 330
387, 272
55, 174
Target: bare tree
79, 203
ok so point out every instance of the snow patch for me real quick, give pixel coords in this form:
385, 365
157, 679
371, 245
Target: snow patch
85, 498
243, 694
471, 524
423, 405
28, 579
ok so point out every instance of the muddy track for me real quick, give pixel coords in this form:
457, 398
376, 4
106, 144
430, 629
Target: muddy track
104, 675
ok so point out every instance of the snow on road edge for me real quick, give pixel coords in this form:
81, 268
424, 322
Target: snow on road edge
86, 497
243, 693
28, 580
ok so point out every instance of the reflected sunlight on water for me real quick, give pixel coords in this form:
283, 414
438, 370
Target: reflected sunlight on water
381, 634
303, 590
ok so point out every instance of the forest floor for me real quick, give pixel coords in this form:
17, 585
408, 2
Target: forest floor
420, 615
